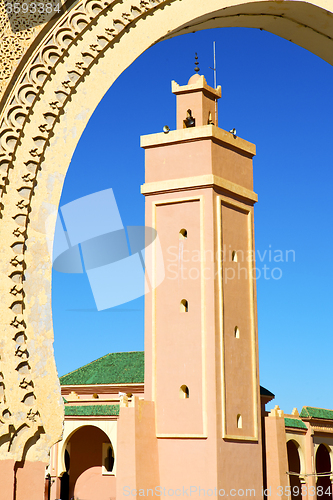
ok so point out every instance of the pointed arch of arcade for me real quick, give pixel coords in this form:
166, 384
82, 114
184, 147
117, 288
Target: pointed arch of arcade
296, 468
62, 72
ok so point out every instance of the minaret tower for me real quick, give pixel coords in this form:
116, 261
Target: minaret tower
201, 348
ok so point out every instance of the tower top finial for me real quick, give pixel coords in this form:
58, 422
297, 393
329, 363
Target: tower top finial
196, 64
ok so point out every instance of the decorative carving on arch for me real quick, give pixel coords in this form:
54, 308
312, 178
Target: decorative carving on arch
21, 418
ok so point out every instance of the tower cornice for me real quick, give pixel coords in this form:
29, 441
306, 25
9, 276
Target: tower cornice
195, 84
198, 133
201, 181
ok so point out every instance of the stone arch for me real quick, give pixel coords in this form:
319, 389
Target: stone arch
75, 426
328, 448
86, 459
59, 75
298, 445
295, 468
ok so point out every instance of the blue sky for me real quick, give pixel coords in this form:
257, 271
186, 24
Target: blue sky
278, 96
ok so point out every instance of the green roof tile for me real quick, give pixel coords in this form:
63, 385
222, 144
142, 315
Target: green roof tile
310, 412
92, 410
294, 422
114, 368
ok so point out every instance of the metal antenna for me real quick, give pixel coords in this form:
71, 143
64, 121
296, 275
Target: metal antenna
196, 64
214, 69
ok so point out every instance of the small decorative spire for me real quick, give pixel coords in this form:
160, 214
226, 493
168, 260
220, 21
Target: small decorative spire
196, 67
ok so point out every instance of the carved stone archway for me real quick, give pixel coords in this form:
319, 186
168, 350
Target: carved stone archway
53, 76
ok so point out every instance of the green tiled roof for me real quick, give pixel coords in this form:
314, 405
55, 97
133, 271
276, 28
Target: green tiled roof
114, 368
266, 392
92, 410
310, 412
294, 422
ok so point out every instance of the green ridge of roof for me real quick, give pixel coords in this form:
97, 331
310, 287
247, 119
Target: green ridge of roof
64, 400
310, 412
266, 392
92, 410
294, 422
113, 368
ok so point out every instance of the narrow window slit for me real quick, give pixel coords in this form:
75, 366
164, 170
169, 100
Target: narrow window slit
183, 306
184, 392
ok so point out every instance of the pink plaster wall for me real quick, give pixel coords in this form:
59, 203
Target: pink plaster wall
237, 310
30, 480
198, 157
179, 334
163, 162
7, 479
137, 457
91, 485
276, 456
